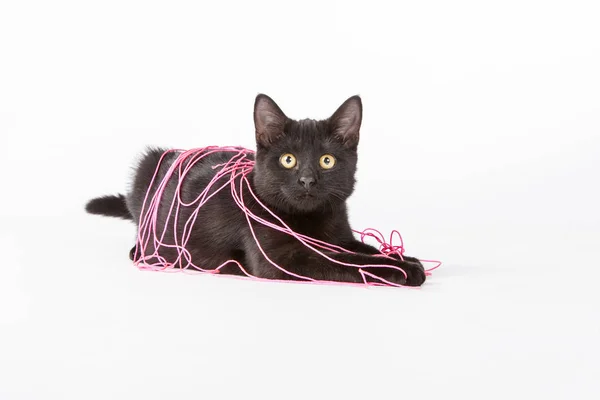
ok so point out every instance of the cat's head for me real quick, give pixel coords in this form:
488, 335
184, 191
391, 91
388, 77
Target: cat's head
307, 165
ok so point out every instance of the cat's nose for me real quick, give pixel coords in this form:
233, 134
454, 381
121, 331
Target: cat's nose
307, 182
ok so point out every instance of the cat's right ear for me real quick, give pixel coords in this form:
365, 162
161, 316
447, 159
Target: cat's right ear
269, 120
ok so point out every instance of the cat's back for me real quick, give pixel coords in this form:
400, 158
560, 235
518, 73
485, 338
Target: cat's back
204, 168
154, 164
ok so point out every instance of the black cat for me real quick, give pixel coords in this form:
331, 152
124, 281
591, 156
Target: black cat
304, 172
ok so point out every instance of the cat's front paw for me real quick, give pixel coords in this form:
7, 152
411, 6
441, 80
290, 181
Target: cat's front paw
415, 274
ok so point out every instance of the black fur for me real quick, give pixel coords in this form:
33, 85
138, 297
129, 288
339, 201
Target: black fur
309, 198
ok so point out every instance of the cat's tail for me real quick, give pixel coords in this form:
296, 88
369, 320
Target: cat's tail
110, 206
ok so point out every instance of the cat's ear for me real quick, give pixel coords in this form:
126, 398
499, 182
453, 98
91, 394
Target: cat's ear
345, 122
269, 120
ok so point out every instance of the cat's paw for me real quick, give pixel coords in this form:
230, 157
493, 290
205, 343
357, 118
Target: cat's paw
414, 270
415, 274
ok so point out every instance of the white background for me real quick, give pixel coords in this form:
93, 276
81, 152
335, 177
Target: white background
480, 143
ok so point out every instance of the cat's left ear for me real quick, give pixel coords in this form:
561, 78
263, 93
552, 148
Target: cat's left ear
345, 122
269, 120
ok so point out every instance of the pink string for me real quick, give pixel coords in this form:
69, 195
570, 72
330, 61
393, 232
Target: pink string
151, 237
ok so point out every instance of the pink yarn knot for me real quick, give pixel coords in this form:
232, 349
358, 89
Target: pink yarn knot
386, 248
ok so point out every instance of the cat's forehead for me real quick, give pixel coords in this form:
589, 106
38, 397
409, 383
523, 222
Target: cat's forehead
305, 127
308, 135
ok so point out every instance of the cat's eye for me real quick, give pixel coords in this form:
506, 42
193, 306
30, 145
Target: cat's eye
288, 160
327, 161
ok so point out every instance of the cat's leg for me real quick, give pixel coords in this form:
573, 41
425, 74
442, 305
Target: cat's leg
360, 247
305, 262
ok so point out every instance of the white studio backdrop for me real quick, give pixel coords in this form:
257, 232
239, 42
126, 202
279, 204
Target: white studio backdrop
480, 143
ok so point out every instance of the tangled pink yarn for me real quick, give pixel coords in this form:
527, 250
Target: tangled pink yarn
238, 166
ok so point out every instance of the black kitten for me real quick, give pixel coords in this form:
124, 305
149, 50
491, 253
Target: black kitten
304, 173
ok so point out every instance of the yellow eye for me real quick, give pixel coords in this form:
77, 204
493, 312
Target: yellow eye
288, 160
327, 161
